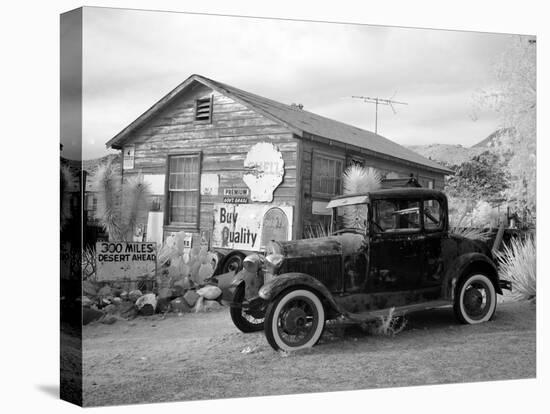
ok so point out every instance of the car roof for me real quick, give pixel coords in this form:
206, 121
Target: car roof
409, 192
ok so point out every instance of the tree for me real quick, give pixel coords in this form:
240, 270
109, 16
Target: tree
483, 177
514, 99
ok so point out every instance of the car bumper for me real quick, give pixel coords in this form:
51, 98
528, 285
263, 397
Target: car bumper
505, 284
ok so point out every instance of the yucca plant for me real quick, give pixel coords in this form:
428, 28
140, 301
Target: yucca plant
135, 197
359, 179
118, 211
473, 233
107, 182
518, 264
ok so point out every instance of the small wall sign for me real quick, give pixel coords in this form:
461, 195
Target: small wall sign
209, 184
275, 226
128, 157
236, 195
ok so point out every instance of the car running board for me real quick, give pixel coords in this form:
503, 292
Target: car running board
397, 311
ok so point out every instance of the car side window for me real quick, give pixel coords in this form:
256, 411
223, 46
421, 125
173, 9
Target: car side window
433, 219
397, 216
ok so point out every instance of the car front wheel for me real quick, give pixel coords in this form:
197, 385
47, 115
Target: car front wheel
246, 322
475, 299
295, 320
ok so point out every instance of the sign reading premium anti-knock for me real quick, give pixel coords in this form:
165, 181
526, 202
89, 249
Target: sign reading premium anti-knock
250, 226
125, 260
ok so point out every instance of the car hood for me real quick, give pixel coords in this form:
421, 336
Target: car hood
344, 244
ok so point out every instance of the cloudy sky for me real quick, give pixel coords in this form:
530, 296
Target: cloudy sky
133, 58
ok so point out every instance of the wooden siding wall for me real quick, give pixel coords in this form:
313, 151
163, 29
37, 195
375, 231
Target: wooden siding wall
382, 165
223, 143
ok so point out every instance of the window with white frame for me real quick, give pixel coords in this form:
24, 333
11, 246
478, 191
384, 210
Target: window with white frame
183, 189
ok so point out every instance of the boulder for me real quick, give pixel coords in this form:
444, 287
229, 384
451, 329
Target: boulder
191, 297
210, 292
163, 305
86, 302
165, 293
124, 295
90, 315
134, 295
105, 291
147, 299
211, 305
110, 309
180, 305
146, 310
88, 288
127, 310
117, 292
108, 319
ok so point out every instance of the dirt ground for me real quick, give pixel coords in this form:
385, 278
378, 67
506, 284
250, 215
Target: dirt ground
203, 356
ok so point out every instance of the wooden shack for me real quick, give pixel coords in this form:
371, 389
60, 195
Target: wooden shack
240, 169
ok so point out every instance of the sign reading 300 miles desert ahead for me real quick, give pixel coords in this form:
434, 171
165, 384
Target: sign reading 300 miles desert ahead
125, 260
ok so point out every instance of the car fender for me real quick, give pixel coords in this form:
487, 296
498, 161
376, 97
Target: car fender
468, 262
280, 283
252, 283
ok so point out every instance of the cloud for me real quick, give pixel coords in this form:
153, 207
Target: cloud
133, 58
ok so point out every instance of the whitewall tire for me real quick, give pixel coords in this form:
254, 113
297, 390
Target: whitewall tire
475, 299
295, 320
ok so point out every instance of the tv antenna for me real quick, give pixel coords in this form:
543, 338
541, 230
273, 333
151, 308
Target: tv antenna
379, 101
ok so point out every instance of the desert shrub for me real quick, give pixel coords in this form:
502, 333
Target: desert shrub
88, 263
472, 233
314, 231
518, 264
389, 325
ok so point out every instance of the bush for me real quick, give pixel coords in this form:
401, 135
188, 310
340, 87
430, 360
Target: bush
518, 264
389, 325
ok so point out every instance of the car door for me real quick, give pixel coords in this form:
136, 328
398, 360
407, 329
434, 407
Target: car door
396, 246
434, 229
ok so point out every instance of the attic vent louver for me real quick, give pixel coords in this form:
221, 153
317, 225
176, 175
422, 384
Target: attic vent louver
203, 109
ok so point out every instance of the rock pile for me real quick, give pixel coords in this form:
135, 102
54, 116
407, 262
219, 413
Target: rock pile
106, 304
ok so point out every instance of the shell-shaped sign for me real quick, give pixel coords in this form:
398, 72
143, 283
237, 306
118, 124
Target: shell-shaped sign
275, 226
265, 169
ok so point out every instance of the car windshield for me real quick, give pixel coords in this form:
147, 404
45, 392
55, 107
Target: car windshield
350, 217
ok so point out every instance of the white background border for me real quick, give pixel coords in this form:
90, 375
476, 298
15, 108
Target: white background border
30, 75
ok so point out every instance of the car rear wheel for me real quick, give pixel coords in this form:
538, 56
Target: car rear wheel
233, 262
246, 322
475, 299
295, 320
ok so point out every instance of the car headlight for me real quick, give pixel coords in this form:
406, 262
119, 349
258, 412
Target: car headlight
274, 261
253, 263
272, 264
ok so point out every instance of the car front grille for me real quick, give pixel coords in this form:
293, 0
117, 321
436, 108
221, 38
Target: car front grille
326, 269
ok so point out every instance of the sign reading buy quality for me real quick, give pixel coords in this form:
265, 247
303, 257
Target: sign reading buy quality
125, 260
250, 226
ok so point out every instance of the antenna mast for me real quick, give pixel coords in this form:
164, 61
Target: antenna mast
376, 102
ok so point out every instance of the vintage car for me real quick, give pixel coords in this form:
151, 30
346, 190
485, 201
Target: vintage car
389, 249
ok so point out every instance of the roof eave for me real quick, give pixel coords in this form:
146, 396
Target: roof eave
367, 151
118, 140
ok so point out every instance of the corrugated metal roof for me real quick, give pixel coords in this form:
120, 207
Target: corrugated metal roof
301, 120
